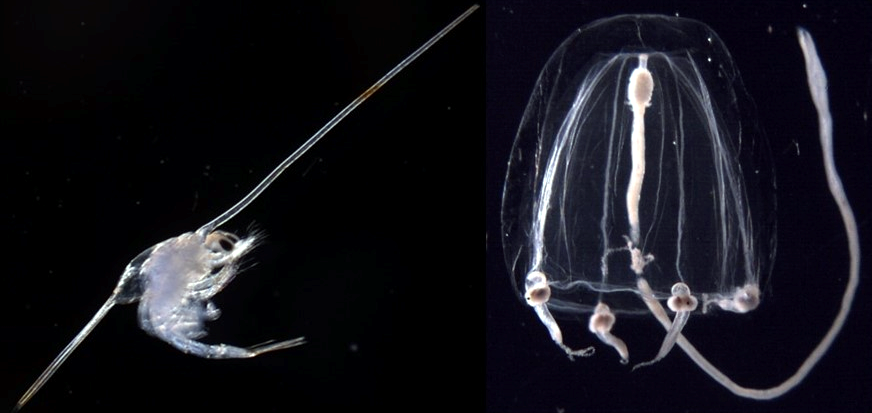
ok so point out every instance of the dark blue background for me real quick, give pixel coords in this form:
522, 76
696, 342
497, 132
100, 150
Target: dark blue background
526, 372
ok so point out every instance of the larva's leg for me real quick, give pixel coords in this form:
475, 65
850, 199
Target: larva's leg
212, 284
226, 351
212, 311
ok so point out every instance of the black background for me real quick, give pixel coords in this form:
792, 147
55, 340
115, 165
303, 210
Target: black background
526, 372
129, 122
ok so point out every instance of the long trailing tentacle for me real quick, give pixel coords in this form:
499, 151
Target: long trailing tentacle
817, 82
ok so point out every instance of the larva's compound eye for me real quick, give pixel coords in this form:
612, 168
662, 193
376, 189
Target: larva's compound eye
220, 241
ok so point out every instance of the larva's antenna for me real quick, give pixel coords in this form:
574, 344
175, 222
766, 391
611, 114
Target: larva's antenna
65, 353
266, 182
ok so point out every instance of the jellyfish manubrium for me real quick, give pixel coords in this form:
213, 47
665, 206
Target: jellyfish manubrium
637, 177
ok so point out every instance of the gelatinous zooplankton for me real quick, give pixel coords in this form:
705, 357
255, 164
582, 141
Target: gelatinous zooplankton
637, 177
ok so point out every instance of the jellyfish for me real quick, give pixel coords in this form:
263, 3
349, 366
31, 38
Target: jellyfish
638, 177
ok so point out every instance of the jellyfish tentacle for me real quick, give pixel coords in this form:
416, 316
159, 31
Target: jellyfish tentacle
743, 300
683, 304
537, 292
817, 82
601, 323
